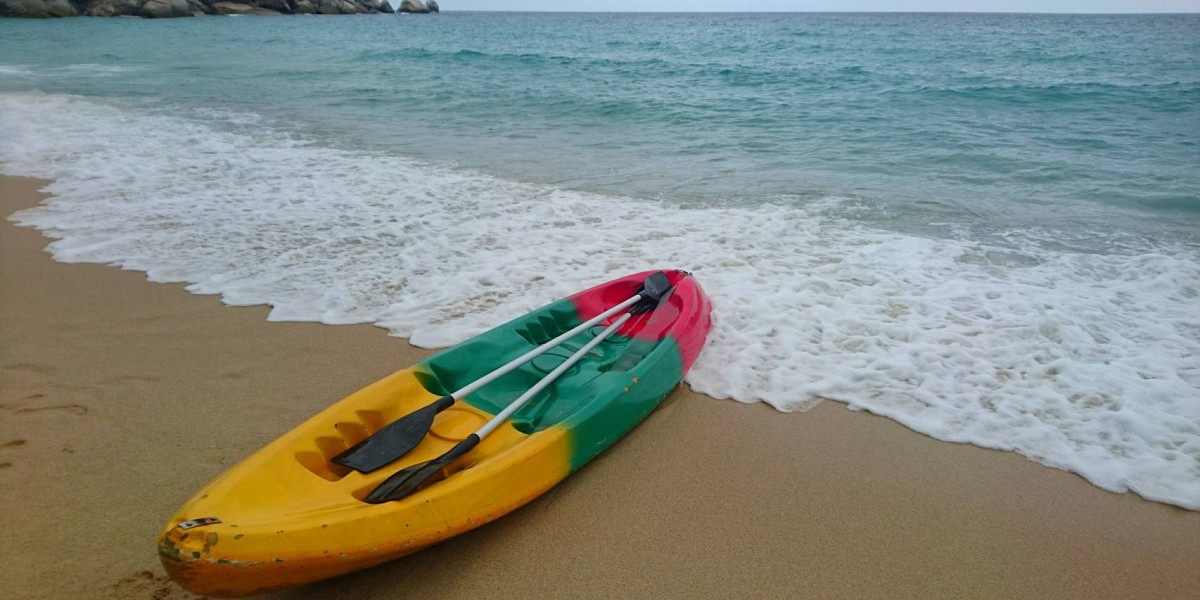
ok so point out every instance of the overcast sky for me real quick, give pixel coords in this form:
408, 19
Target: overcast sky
829, 5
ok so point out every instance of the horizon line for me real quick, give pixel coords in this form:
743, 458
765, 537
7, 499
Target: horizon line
827, 12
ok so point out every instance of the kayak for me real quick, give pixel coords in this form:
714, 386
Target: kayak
294, 512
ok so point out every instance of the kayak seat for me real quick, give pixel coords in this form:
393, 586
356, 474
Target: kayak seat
454, 368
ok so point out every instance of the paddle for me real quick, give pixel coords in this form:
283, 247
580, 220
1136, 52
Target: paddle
405, 481
402, 435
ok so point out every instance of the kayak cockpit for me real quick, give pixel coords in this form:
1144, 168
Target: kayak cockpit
580, 384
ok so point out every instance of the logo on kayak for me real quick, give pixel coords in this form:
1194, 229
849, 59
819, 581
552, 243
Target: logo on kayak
193, 523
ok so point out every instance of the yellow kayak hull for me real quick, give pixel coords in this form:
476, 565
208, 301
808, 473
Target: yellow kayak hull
288, 516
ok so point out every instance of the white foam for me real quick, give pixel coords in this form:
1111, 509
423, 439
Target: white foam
16, 70
1084, 362
73, 71
91, 70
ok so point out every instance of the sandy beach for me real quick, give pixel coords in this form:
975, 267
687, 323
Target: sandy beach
120, 398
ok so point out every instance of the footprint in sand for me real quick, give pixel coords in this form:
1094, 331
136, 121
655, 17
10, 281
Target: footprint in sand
240, 373
7, 445
129, 379
76, 409
31, 368
145, 584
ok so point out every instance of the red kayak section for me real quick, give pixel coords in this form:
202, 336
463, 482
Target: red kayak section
685, 316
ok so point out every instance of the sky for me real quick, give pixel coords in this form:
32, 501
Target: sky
1091, 6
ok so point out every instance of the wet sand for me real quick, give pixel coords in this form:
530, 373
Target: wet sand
119, 398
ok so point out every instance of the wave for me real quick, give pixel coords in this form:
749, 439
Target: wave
460, 55
1165, 97
1080, 361
66, 71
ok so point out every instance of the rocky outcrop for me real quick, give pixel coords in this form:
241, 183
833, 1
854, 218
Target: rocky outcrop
339, 7
432, 5
40, 9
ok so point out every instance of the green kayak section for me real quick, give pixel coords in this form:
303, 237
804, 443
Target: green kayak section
597, 400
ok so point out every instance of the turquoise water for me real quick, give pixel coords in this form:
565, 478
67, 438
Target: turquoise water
945, 117
986, 227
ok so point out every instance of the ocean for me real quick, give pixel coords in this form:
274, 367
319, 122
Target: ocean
985, 227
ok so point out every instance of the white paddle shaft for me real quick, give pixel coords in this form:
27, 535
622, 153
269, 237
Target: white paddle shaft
536, 352
503, 415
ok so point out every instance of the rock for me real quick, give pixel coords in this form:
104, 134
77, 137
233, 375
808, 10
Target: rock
113, 8
412, 6
328, 7
240, 8
37, 9
278, 6
61, 8
377, 5
161, 9
432, 5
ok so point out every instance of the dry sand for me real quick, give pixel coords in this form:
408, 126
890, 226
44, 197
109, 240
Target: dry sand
120, 398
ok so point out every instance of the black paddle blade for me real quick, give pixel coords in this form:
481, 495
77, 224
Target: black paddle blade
652, 290
393, 441
406, 480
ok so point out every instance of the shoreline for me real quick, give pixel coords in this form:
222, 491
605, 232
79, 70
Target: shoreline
120, 398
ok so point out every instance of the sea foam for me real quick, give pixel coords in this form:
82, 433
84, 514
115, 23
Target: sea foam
1080, 361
